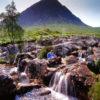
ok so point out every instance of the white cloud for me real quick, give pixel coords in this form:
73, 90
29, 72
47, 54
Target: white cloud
23, 4
87, 10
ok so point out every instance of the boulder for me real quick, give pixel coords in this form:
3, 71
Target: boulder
23, 88
64, 49
80, 80
20, 61
29, 46
45, 42
70, 60
7, 88
34, 68
61, 50
13, 49
55, 61
37, 67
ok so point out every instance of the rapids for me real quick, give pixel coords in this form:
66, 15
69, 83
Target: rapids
59, 87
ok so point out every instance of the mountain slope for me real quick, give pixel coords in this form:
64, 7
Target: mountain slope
48, 12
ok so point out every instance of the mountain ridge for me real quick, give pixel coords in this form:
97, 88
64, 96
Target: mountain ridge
48, 12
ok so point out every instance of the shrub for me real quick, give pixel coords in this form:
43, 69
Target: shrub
94, 91
2, 61
11, 58
44, 51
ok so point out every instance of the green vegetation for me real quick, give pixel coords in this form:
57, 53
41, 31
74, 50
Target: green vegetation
97, 64
67, 29
2, 61
10, 30
44, 51
38, 32
94, 92
11, 58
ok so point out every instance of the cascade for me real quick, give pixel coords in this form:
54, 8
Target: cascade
62, 86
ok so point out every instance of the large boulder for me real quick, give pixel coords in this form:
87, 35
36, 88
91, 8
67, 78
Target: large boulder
8, 53
7, 88
64, 49
34, 68
92, 42
69, 60
4, 54
78, 79
29, 46
21, 56
61, 50
13, 49
82, 78
37, 68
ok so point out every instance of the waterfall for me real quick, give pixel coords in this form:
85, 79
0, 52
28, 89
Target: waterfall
62, 87
24, 78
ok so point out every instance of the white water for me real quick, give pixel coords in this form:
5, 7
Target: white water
24, 78
59, 86
14, 70
60, 96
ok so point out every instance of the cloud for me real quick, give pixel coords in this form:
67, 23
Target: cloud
23, 4
87, 10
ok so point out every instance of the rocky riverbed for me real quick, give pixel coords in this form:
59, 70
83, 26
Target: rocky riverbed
66, 77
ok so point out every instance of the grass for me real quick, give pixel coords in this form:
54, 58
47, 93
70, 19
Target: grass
36, 32
94, 91
62, 30
2, 61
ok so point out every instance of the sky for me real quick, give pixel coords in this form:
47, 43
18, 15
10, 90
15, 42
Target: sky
87, 10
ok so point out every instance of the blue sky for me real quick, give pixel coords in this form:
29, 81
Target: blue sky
87, 10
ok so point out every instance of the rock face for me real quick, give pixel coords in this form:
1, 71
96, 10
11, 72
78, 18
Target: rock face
35, 68
82, 79
48, 12
73, 82
8, 52
64, 49
7, 88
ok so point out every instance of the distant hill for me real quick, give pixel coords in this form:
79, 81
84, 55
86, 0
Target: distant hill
48, 12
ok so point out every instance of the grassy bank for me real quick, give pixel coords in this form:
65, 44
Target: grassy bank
37, 32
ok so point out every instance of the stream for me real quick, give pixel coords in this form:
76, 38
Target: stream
56, 92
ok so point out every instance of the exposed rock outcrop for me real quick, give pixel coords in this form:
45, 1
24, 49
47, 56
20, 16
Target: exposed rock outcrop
7, 88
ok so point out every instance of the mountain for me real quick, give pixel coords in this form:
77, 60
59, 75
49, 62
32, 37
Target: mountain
48, 12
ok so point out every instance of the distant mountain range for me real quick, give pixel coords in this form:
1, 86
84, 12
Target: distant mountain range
48, 12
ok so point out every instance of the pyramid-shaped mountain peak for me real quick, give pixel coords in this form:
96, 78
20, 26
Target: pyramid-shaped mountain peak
48, 12
49, 0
